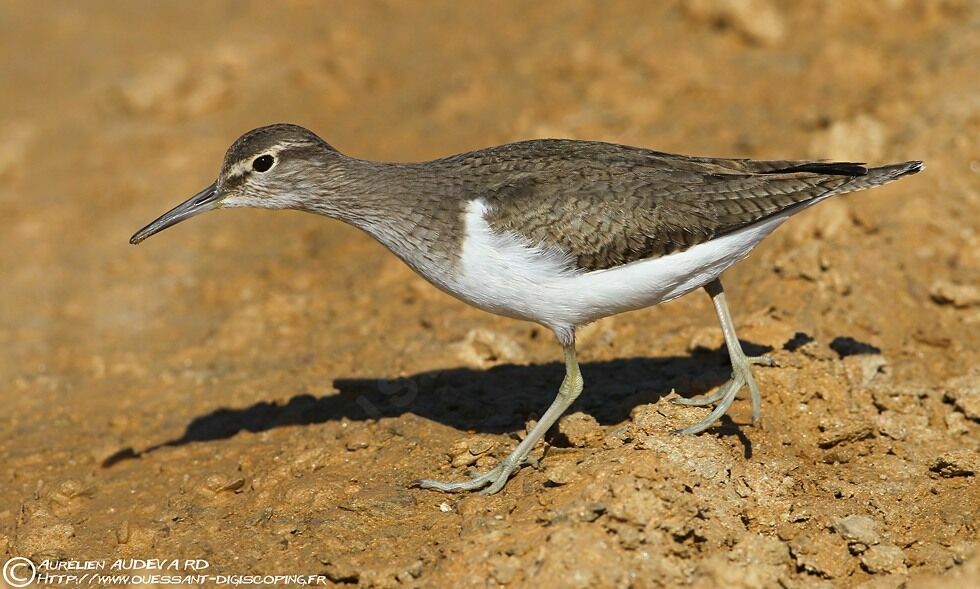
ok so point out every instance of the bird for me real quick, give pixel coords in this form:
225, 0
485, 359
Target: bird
559, 232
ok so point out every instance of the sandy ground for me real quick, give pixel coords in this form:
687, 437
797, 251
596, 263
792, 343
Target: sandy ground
258, 389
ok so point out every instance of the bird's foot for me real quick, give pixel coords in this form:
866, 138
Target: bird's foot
495, 478
725, 396
763, 360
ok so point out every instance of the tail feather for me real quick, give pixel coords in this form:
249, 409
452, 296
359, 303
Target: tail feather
843, 177
880, 175
854, 176
826, 168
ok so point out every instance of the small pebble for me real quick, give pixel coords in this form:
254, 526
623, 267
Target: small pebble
956, 424
957, 463
220, 483
482, 348
261, 516
836, 432
468, 451
580, 429
358, 440
886, 558
122, 533
959, 296
858, 530
480, 446
561, 473
964, 393
757, 21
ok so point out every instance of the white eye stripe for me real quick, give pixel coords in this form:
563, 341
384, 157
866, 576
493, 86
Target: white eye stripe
239, 169
244, 167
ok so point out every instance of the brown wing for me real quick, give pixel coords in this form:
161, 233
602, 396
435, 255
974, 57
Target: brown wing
610, 205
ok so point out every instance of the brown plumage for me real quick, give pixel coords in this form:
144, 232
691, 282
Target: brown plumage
610, 204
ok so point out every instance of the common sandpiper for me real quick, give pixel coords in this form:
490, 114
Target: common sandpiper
559, 232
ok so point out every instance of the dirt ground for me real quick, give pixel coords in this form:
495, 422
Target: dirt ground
258, 389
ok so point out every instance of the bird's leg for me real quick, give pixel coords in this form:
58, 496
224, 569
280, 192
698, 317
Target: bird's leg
571, 387
741, 369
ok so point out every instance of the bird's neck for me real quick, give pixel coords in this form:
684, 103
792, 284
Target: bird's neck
355, 191
406, 207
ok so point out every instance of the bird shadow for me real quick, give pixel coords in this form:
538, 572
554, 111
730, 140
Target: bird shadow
494, 401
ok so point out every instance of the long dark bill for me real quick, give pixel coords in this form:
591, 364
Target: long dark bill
204, 200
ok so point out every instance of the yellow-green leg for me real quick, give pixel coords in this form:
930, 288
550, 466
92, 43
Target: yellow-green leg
571, 387
741, 370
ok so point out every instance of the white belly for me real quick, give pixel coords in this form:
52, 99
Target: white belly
503, 274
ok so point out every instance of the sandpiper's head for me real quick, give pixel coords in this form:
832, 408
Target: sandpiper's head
270, 167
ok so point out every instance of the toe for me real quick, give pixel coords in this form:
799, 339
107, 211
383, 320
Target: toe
695, 402
496, 486
448, 487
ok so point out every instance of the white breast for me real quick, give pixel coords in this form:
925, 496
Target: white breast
504, 274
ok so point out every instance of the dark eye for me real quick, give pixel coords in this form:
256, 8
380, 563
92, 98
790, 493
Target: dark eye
263, 163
